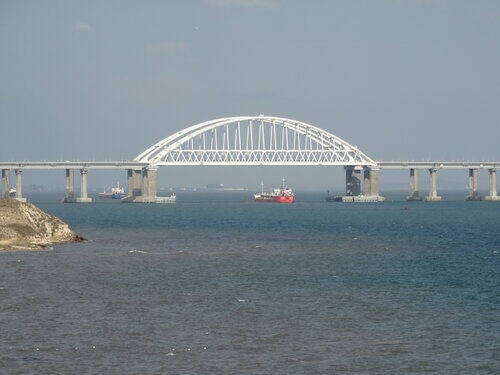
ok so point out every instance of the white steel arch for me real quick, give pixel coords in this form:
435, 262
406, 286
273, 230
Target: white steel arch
254, 140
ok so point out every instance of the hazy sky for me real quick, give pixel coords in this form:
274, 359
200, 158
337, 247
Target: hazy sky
101, 80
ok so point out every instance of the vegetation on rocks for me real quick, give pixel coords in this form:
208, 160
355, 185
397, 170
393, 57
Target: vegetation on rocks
24, 226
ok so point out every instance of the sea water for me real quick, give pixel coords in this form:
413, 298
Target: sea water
217, 284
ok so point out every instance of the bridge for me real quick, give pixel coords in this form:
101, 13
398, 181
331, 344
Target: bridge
254, 140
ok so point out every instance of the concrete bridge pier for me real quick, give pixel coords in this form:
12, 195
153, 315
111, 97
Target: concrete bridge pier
142, 185
134, 185
5, 183
414, 193
433, 197
353, 184
473, 185
70, 187
353, 181
130, 182
19, 185
493, 196
84, 198
371, 189
149, 178
368, 183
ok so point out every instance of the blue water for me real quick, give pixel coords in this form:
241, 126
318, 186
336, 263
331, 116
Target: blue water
216, 285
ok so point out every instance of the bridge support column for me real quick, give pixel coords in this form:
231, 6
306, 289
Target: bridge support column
141, 185
353, 185
130, 182
367, 181
493, 196
134, 189
352, 181
70, 187
433, 197
371, 190
473, 186
19, 185
5, 183
149, 184
84, 198
137, 182
414, 193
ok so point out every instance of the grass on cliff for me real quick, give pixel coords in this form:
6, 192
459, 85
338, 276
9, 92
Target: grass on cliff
22, 229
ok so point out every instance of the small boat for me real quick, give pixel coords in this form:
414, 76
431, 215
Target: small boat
333, 198
12, 192
281, 195
117, 192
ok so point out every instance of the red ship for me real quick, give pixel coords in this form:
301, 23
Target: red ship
281, 195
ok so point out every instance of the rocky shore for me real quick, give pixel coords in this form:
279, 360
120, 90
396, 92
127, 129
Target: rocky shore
23, 226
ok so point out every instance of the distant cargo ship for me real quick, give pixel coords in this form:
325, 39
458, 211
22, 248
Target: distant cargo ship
281, 195
115, 193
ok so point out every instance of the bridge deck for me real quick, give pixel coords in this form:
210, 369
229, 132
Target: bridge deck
438, 164
130, 164
122, 164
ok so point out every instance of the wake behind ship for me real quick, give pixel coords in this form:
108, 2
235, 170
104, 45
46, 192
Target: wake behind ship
281, 195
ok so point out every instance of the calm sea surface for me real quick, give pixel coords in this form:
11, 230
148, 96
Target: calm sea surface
216, 285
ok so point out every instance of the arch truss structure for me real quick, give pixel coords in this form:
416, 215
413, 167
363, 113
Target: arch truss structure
254, 140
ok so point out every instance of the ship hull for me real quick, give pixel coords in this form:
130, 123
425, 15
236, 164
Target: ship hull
112, 195
278, 199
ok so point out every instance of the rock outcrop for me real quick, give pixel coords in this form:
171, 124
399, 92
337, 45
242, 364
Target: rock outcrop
24, 226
